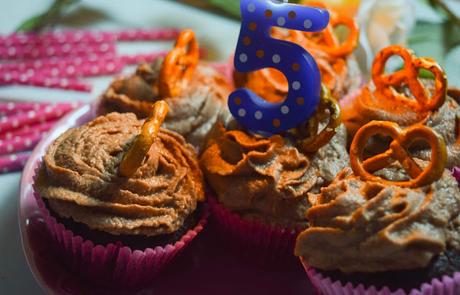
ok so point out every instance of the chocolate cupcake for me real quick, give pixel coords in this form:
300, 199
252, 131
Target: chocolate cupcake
261, 183
109, 186
385, 232
406, 99
195, 91
339, 69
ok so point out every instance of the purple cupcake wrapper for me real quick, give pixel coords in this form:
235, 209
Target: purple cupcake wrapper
266, 243
114, 263
447, 285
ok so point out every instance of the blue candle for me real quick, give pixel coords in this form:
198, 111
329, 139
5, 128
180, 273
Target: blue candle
256, 49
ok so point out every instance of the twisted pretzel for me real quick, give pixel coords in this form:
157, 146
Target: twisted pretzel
402, 139
386, 83
317, 140
134, 157
327, 41
179, 65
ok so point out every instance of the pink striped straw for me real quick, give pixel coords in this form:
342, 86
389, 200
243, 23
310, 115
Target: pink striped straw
85, 36
40, 51
36, 129
44, 114
44, 81
13, 162
147, 34
19, 143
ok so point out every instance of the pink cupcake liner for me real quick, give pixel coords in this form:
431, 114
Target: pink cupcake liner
113, 264
447, 285
268, 244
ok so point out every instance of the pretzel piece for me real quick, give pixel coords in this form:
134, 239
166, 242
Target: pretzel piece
179, 65
135, 155
398, 151
317, 140
385, 83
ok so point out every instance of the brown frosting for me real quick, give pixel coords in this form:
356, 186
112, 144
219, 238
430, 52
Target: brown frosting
79, 178
358, 226
192, 114
368, 106
268, 178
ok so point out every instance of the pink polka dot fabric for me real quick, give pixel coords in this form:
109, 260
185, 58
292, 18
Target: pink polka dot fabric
60, 59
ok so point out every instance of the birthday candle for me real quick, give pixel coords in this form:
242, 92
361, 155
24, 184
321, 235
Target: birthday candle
256, 49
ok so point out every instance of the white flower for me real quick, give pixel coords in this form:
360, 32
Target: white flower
382, 23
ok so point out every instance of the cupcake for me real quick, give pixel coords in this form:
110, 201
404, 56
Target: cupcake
260, 184
195, 91
121, 197
339, 69
406, 98
386, 225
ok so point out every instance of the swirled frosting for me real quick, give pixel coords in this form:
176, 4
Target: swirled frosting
358, 226
79, 178
268, 178
366, 107
192, 114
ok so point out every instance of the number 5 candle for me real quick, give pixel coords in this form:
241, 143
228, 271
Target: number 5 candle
256, 49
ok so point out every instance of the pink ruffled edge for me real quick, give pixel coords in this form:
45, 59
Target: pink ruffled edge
444, 286
114, 264
266, 243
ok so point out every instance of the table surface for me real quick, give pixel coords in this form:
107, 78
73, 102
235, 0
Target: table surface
221, 36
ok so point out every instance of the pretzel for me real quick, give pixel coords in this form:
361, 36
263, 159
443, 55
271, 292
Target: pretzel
315, 141
402, 139
179, 65
135, 155
386, 83
327, 41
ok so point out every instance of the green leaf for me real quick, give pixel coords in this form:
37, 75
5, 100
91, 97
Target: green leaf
47, 18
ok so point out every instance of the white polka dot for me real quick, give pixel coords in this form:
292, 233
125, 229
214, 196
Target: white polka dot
251, 7
15, 123
11, 51
31, 114
27, 142
38, 63
23, 78
110, 67
94, 70
281, 21
241, 112
7, 77
48, 82
30, 72
64, 83
9, 148
10, 106
258, 115
54, 72
70, 70
307, 24
243, 57
284, 110
13, 157
9, 135
17, 138
104, 47
66, 48
296, 85
48, 109
50, 51
276, 58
